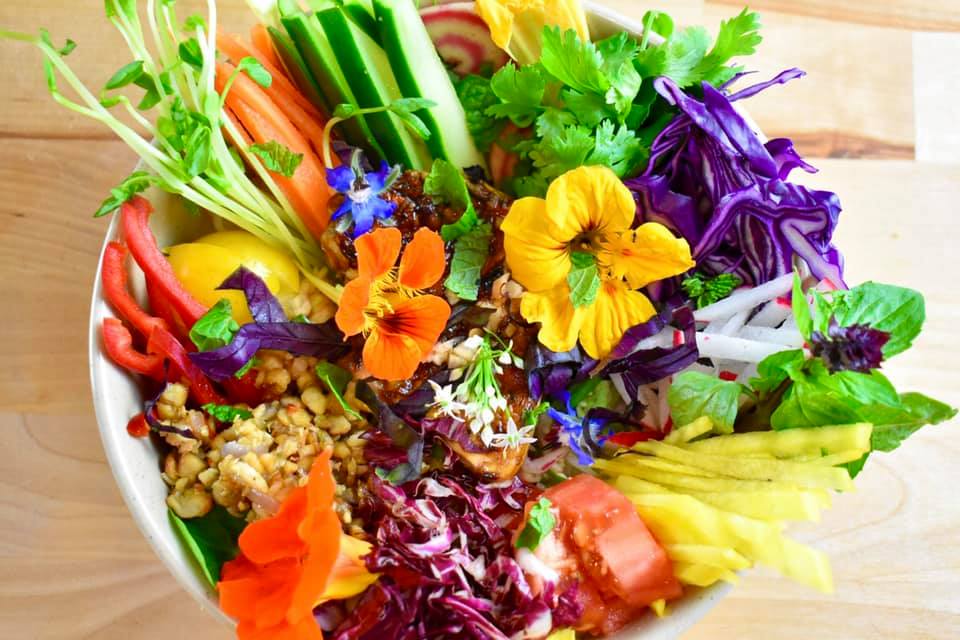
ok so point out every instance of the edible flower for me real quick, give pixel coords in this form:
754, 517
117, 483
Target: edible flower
577, 431
516, 25
581, 263
285, 564
513, 438
361, 192
857, 347
384, 302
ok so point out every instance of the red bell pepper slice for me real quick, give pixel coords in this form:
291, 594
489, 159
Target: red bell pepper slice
138, 427
118, 343
135, 216
114, 277
161, 307
165, 344
629, 438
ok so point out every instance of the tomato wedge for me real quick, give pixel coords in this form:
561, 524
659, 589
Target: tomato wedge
620, 567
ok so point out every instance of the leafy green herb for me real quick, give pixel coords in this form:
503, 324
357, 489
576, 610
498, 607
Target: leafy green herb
277, 157
403, 108
447, 185
574, 62
191, 54
136, 182
532, 416
226, 413
477, 96
738, 36
584, 279
705, 290
891, 426
539, 525
256, 71
210, 539
521, 93
469, 254
801, 310
215, 328
194, 22
126, 75
603, 394
657, 22
251, 363
336, 380
895, 310
694, 394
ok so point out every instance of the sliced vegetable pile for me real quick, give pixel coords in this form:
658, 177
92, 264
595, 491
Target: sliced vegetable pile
499, 328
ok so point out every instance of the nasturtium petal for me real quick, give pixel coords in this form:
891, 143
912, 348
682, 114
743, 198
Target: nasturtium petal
423, 261
350, 317
616, 309
646, 254
377, 251
391, 356
559, 320
536, 254
589, 199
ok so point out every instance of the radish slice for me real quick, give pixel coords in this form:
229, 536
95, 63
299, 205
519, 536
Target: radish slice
462, 38
720, 347
745, 299
788, 337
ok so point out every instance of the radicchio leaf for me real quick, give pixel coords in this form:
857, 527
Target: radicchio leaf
263, 305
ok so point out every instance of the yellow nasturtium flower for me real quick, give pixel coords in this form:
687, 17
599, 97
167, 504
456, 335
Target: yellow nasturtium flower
349, 576
587, 210
516, 25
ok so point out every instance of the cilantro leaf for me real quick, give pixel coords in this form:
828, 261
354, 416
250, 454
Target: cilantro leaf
617, 148
694, 394
704, 290
215, 328
572, 61
589, 109
563, 152
136, 182
336, 380
226, 413
657, 22
677, 58
447, 185
210, 539
277, 158
477, 96
539, 525
738, 36
469, 254
618, 52
584, 279
520, 92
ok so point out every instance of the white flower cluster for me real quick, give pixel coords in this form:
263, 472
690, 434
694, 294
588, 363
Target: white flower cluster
477, 399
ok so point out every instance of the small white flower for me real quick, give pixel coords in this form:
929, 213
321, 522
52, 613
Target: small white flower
497, 368
514, 437
487, 436
456, 374
517, 362
486, 414
444, 398
491, 392
505, 358
476, 425
499, 403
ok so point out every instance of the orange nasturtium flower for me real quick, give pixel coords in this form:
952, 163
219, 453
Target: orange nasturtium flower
588, 214
400, 324
291, 562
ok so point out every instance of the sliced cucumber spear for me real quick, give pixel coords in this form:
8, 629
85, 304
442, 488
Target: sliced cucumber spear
421, 73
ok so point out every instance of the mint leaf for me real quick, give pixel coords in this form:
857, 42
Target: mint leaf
896, 310
215, 328
539, 525
336, 380
256, 71
211, 539
469, 255
694, 394
520, 92
226, 413
572, 61
126, 75
584, 279
704, 290
277, 158
447, 185
476, 96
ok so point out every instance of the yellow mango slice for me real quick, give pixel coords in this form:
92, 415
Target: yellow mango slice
700, 575
709, 555
789, 442
688, 432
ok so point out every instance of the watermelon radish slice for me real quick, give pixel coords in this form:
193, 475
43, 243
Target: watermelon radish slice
462, 38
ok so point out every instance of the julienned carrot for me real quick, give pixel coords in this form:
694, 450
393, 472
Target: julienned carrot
263, 43
307, 190
283, 93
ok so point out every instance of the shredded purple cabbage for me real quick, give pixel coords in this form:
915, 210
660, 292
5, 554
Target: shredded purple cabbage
447, 569
550, 372
712, 181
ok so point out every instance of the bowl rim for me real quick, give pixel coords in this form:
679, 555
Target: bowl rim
685, 612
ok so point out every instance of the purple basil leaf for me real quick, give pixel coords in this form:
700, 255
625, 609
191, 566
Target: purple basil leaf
263, 305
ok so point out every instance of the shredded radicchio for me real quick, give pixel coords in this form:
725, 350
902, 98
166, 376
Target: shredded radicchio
444, 553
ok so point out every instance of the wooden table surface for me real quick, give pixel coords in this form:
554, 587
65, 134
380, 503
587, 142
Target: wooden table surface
878, 114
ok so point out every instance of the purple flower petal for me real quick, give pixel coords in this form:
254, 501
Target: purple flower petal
341, 178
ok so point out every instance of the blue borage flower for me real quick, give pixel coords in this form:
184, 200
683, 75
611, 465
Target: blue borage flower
579, 432
361, 192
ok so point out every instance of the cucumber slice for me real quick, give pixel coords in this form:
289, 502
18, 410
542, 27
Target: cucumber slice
360, 11
295, 65
318, 55
421, 74
371, 78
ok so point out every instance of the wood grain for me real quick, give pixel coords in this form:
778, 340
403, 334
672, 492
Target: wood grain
72, 563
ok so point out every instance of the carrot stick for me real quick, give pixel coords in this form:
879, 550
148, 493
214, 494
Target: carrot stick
307, 191
263, 43
281, 91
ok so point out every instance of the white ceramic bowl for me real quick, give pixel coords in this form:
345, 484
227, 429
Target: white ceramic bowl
136, 461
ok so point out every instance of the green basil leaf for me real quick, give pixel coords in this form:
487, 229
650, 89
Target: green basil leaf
539, 525
694, 394
215, 328
897, 310
336, 380
210, 539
